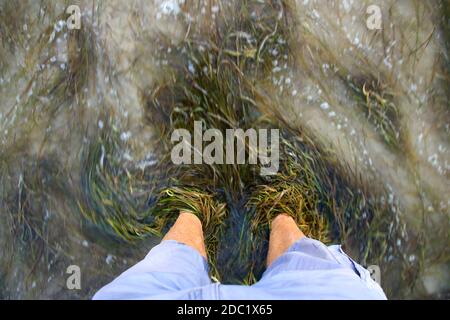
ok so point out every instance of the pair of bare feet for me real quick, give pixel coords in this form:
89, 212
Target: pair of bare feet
188, 230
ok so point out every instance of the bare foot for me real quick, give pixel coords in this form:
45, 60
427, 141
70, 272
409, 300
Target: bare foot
284, 233
188, 230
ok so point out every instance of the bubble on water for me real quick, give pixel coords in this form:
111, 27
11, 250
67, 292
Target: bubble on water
316, 14
215, 9
109, 259
125, 136
191, 67
59, 25
170, 7
387, 63
325, 106
433, 160
347, 5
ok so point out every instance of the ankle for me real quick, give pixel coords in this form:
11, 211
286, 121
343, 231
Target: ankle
190, 218
282, 219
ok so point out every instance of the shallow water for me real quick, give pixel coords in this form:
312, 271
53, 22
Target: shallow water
46, 125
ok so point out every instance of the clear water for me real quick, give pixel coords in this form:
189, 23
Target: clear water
44, 131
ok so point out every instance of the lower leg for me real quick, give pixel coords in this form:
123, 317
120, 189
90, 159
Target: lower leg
188, 230
284, 233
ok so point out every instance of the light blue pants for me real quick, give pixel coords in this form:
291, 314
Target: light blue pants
308, 270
